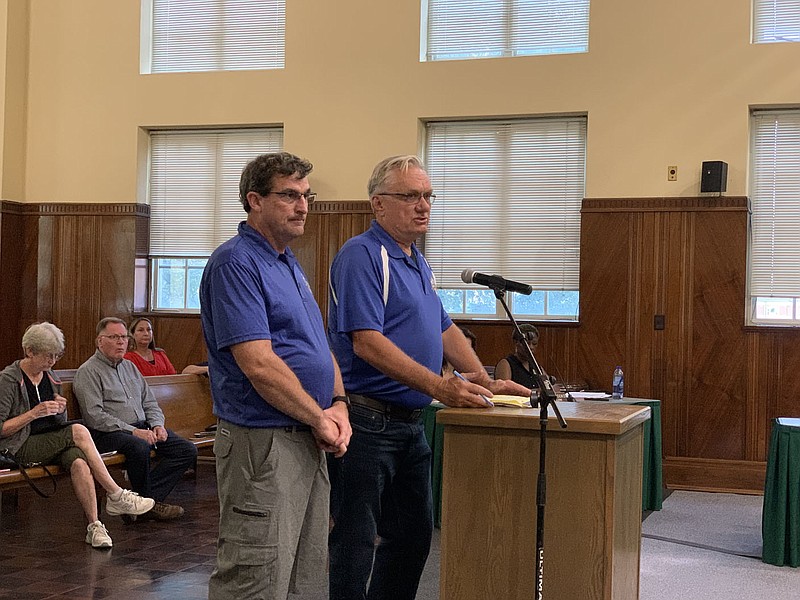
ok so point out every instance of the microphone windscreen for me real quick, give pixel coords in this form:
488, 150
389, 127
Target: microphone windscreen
466, 275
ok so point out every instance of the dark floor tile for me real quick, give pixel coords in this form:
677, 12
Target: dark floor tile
149, 560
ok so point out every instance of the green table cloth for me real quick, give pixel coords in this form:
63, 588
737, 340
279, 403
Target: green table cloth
652, 474
652, 477
435, 435
780, 517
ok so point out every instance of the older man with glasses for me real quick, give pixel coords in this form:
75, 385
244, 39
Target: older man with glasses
389, 331
123, 415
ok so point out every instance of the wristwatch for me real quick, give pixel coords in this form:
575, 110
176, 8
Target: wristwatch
345, 399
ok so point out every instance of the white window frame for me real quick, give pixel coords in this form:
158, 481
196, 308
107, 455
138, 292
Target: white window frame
193, 192
180, 36
472, 29
776, 21
517, 189
773, 296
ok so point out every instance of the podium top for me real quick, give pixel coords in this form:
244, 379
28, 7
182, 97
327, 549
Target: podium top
581, 417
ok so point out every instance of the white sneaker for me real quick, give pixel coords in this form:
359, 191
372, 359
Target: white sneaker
129, 503
97, 535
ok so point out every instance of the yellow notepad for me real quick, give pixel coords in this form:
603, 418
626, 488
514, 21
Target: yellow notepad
513, 401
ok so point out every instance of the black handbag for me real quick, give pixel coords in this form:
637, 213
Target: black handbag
9, 461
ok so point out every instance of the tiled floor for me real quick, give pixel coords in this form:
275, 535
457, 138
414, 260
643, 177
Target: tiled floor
43, 553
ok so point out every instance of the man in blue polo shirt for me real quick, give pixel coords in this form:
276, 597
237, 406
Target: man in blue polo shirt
389, 331
277, 392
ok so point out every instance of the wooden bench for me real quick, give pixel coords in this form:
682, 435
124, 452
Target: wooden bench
184, 399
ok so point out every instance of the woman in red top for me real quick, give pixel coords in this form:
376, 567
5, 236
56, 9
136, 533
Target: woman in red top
143, 353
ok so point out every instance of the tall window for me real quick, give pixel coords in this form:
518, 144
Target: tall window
194, 204
508, 202
775, 222
464, 29
212, 35
776, 21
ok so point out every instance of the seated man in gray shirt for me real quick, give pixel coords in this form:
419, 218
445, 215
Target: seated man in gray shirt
123, 415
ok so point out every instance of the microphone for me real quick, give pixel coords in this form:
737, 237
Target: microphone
496, 282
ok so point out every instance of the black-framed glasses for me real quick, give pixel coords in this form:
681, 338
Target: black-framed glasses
115, 337
293, 197
411, 197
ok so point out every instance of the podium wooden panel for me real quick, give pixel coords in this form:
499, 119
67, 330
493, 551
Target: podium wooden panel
592, 536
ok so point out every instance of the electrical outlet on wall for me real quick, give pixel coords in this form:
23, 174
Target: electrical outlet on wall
672, 173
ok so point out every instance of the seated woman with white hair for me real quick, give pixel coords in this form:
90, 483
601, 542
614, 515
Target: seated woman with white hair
33, 426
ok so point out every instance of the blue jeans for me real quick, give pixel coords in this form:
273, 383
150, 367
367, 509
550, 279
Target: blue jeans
380, 487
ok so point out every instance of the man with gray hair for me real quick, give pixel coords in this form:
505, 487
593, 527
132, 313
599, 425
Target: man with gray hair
277, 392
389, 331
123, 415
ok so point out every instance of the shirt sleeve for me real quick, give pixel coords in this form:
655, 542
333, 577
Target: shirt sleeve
357, 289
9, 390
235, 294
88, 390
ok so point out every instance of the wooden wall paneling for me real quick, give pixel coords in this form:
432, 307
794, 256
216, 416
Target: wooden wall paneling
181, 337
86, 269
18, 271
763, 390
675, 341
645, 288
606, 240
329, 226
494, 339
717, 423
785, 372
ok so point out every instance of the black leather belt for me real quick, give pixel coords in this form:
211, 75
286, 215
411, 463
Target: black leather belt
296, 428
394, 412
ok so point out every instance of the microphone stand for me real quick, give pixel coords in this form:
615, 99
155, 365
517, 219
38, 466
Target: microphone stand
547, 397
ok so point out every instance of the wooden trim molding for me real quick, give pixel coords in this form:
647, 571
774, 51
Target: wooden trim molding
666, 204
705, 474
340, 207
78, 210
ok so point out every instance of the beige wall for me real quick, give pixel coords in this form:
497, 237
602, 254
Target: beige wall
13, 97
664, 83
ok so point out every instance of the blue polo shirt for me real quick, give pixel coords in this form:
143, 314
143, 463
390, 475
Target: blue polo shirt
250, 292
405, 309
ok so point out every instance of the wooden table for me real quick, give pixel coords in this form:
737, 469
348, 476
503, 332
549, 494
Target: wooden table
593, 513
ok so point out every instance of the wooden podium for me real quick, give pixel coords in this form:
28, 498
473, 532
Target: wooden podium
592, 537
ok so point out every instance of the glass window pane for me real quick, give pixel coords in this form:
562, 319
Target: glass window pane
528, 305
193, 293
452, 300
563, 304
171, 287
775, 308
480, 302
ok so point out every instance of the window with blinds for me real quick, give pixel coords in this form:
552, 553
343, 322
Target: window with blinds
212, 35
467, 29
508, 201
774, 286
194, 203
776, 21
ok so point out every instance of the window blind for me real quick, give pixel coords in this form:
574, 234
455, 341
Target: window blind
463, 29
775, 197
216, 35
194, 186
508, 200
776, 21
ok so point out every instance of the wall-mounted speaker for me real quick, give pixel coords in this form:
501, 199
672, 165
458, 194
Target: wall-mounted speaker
714, 177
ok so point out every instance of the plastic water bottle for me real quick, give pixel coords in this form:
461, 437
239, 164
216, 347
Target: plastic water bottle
618, 384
